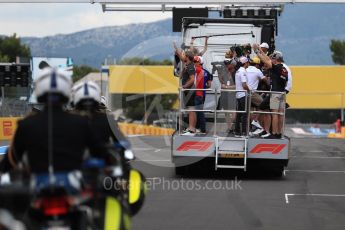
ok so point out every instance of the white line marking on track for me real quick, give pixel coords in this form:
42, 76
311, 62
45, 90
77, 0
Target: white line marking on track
319, 151
300, 131
318, 157
311, 194
142, 149
157, 150
137, 135
316, 171
152, 160
152, 178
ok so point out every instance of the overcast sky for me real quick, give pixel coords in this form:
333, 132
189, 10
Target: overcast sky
50, 19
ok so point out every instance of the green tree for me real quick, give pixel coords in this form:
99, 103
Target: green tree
143, 61
338, 51
11, 47
135, 109
81, 71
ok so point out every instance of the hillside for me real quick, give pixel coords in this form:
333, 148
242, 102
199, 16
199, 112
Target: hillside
91, 47
305, 32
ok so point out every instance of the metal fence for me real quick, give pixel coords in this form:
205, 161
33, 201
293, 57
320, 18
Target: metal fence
12, 107
248, 108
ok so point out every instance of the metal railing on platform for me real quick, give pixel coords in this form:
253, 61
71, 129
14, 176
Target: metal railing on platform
248, 108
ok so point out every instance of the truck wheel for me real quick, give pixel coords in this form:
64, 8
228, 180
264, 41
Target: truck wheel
180, 170
278, 172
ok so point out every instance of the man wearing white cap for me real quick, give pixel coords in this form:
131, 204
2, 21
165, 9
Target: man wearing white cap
264, 47
279, 78
241, 84
289, 82
227, 100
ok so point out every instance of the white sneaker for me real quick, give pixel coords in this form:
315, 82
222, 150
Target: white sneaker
257, 124
198, 131
266, 135
238, 135
188, 133
258, 131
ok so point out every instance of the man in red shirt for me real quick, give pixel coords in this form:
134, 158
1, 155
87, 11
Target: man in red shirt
199, 94
199, 76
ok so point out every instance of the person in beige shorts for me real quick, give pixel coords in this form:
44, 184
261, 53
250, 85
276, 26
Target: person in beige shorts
227, 100
277, 102
256, 99
278, 79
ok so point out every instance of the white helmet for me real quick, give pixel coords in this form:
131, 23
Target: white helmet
104, 101
86, 90
52, 80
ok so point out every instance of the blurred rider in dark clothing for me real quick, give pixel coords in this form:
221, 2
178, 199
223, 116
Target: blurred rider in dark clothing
88, 102
53, 137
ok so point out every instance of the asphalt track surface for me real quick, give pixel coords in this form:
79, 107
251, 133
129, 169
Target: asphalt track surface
311, 195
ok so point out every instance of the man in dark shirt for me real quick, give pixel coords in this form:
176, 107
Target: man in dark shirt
279, 77
188, 79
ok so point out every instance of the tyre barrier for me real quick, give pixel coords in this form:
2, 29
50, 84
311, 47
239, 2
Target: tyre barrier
340, 135
8, 126
135, 129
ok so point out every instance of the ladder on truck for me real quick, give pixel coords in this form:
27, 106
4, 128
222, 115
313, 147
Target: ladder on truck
234, 147
226, 146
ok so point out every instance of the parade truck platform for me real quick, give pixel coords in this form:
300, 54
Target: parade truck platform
231, 152
225, 151
218, 148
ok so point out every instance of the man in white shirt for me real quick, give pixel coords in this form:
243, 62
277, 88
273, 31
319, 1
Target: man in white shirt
254, 76
241, 84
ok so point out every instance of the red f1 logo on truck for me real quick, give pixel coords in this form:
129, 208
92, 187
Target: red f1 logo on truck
194, 145
271, 148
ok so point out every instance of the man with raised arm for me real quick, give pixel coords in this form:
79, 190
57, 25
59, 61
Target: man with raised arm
279, 76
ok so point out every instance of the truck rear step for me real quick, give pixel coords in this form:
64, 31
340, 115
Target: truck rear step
232, 147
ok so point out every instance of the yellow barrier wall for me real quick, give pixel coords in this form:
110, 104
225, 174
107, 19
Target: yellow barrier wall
314, 87
141, 79
8, 126
317, 87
